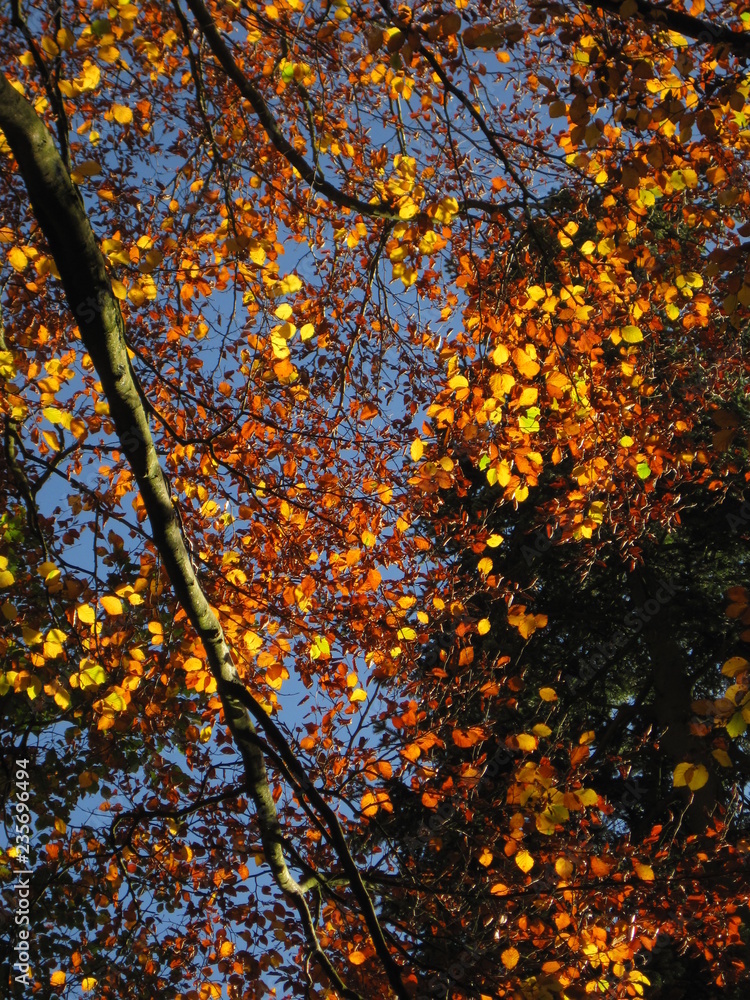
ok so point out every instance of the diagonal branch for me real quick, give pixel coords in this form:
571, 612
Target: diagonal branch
60, 212
309, 173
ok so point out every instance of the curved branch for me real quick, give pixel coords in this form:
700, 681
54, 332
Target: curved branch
697, 28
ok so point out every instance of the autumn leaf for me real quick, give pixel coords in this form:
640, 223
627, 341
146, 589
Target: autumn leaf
600, 868
524, 861
122, 114
510, 957
690, 775
86, 614
111, 605
643, 871
564, 868
17, 259
320, 648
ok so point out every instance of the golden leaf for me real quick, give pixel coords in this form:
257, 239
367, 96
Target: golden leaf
524, 861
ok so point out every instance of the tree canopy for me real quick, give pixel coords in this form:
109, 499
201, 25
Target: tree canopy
374, 600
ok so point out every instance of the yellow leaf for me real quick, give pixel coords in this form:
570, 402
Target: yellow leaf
91, 76
407, 633
408, 209
49, 47
252, 642
417, 449
736, 665
33, 688
485, 858
90, 674
524, 861
320, 648
89, 168
115, 701
357, 957
358, 695
692, 775
547, 694
60, 694
56, 416
526, 742
587, 796
58, 978
47, 569
32, 636
500, 355
722, 757
18, 259
483, 626
494, 540
122, 113
510, 958
112, 605
51, 440
257, 255
86, 614
631, 334
499, 889
485, 566
88, 984
6, 578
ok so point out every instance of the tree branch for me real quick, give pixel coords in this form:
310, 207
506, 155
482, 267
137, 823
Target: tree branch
60, 212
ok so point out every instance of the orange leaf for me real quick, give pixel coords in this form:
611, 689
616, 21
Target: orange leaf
525, 361
644, 872
578, 754
600, 868
510, 958
468, 737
